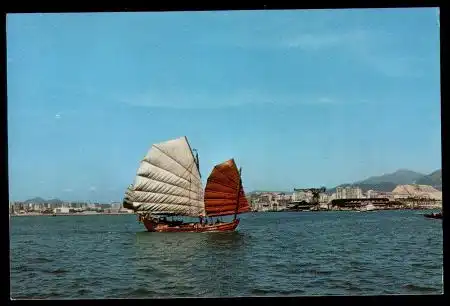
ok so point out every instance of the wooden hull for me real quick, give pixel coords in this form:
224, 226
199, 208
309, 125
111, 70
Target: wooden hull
152, 226
433, 216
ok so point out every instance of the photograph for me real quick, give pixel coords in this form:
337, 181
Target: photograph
224, 153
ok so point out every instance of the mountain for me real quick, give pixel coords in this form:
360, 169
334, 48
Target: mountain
433, 179
40, 200
387, 182
399, 177
35, 200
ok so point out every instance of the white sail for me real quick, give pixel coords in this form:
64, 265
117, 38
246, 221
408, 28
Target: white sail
168, 181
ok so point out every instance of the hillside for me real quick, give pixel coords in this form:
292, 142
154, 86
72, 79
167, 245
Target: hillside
433, 179
387, 182
35, 200
39, 200
399, 177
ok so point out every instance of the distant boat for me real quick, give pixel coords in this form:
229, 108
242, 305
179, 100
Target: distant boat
368, 207
434, 215
168, 184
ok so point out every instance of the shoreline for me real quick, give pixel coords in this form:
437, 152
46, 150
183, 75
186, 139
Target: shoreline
279, 211
68, 214
353, 210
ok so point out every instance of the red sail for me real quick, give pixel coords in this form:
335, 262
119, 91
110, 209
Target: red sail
221, 192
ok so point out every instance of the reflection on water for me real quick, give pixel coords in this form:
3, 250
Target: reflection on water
324, 253
188, 244
199, 262
228, 240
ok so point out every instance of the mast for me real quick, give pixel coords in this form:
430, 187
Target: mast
197, 162
238, 193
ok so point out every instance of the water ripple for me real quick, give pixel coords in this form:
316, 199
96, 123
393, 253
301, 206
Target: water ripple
329, 253
421, 289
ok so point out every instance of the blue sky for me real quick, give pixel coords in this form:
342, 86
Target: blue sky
298, 98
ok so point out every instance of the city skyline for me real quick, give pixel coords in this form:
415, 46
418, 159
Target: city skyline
330, 190
298, 98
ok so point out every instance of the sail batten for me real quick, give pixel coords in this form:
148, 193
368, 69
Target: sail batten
229, 186
225, 178
233, 180
157, 208
171, 157
144, 184
143, 196
169, 165
152, 171
224, 194
167, 181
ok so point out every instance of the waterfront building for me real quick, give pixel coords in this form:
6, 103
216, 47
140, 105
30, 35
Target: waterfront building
359, 193
267, 201
341, 193
282, 200
265, 197
302, 195
323, 198
282, 205
354, 192
385, 194
61, 210
348, 192
115, 205
371, 194
416, 191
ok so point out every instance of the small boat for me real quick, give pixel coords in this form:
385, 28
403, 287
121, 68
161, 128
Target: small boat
168, 183
368, 207
433, 216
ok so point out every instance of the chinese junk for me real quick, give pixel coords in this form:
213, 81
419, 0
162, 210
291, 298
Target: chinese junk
168, 184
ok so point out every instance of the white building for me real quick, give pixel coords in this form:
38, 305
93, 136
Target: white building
115, 205
348, 193
61, 210
302, 195
371, 194
341, 193
324, 198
